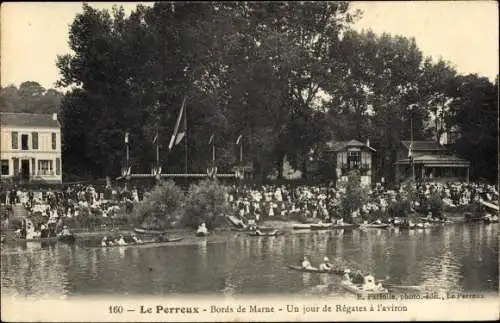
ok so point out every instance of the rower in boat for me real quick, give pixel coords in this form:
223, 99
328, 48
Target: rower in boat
121, 241
65, 232
202, 229
369, 284
325, 265
162, 238
305, 264
136, 239
105, 242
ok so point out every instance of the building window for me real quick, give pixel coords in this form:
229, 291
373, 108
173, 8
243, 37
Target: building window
24, 142
34, 140
16, 166
58, 166
54, 144
45, 167
354, 159
4, 167
15, 140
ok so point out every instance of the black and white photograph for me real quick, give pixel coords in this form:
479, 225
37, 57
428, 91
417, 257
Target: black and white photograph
249, 161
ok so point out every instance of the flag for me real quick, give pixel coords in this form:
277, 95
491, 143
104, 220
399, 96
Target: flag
155, 138
368, 142
443, 138
211, 139
238, 140
178, 135
410, 150
126, 137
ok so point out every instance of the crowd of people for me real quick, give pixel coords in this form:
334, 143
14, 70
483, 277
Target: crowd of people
253, 203
50, 209
324, 203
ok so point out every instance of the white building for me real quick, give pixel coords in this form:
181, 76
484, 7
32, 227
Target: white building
30, 147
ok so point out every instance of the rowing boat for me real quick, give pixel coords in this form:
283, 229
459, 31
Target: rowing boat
202, 234
146, 243
321, 226
333, 271
358, 289
263, 229
266, 234
390, 286
65, 239
302, 226
374, 226
147, 231
343, 226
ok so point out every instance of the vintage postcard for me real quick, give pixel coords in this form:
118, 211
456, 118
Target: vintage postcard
249, 161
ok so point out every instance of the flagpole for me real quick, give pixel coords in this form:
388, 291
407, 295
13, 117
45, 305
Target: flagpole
411, 145
185, 146
157, 150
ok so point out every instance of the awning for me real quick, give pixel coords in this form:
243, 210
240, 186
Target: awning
435, 161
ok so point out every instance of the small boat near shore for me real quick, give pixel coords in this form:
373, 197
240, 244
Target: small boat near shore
302, 226
321, 226
358, 289
374, 226
145, 243
334, 271
274, 233
149, 232
63, 239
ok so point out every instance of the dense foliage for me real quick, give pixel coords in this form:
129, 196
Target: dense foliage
354, 197
162, 208
285, 75
30, 97
206, 202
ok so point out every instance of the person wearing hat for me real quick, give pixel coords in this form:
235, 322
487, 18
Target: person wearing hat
347, 275
65, 231
306, 264
136, 239
121, 241
325, 265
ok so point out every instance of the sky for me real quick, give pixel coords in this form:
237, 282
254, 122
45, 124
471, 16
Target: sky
465, 33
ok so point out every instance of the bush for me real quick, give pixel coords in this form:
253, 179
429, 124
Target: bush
435, 205
162, 208
354, 197
206, 202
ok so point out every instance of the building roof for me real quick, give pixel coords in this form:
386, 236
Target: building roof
423, 145
34, 120
334, 145
436, 160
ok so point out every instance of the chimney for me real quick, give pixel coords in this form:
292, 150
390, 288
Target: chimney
54, 116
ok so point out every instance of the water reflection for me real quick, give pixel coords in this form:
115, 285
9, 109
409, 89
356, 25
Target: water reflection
454, 257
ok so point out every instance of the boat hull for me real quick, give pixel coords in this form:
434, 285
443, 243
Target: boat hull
148, 232
144, 243
316, 270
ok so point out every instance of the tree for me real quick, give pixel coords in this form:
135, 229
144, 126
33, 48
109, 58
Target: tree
474, 115
31, 97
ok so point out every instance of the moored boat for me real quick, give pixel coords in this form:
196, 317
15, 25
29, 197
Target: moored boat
144, 243
274, 233
148, 232
321, 226
65, 239
374, 225
302, 226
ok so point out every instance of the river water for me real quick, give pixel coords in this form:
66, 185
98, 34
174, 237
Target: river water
456, 257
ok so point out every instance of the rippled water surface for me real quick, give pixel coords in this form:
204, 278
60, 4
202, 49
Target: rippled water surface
457, 257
